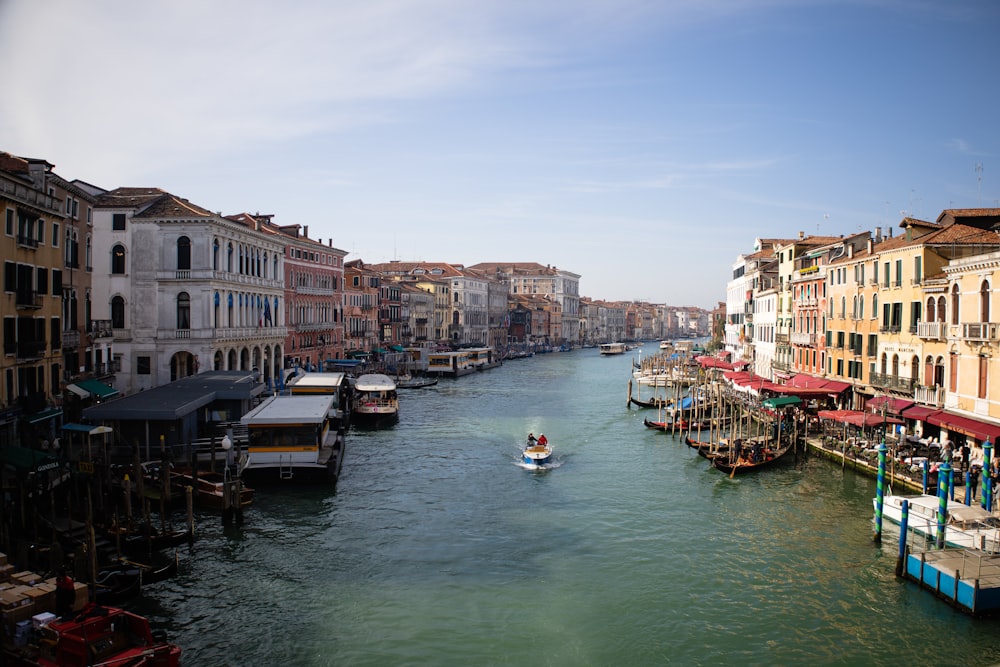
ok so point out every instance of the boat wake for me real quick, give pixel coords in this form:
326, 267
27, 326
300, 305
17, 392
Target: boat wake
551, 465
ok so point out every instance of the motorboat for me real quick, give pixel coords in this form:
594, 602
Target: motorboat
537, 454
96, 635
967, 526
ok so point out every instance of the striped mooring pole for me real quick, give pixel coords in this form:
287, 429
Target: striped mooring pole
925, 477
943, 473
986, 497
880, 492
904, 521
968, 487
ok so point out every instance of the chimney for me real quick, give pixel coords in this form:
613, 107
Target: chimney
871, 245
850, 250
305, 231
890, 231
878, 235
802, 235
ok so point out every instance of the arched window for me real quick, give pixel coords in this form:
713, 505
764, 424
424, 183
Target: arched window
861, 307
931, 314
942, 309
954, 304
215, 255
118, 260
874, 306
229, 257
843, 307
183, 311
183, 254
118, 312
984, 301
89, 253
885, 363
895, 365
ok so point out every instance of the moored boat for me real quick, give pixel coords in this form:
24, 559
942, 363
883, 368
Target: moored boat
613, 348
210, 488
415, 382
96, 635
375, 398
292, 437
966, 526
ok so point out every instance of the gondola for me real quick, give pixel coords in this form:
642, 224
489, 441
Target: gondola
768, 458
142, 542
117, 584
651, 403
151, 574
706, 449
659, 426
415, 382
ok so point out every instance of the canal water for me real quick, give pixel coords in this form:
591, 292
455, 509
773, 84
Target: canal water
437, 548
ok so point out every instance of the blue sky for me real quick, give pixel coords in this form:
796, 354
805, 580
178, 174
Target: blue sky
640, 144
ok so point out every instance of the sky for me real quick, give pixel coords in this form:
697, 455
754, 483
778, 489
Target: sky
641, 144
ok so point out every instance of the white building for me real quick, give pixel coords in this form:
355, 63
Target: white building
185, 289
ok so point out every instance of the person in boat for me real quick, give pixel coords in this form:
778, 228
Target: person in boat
542, 440
65, 593
531, 440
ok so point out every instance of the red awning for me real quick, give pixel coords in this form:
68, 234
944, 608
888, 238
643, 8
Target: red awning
919, 412
835, 387
713, 362
977, 429
893, 405
857, 418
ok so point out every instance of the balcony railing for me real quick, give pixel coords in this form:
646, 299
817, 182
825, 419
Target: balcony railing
893, 382
28, 299
931, 330
32, 350
980, 331
101, 328
929, 396
71, 339
781, 365
808, 339
26, 241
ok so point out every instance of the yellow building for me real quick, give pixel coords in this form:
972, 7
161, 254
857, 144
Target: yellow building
31, 365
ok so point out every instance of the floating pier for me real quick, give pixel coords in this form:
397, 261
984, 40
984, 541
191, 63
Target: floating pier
968, 579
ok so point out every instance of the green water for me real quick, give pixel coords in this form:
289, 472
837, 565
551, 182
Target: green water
439, 549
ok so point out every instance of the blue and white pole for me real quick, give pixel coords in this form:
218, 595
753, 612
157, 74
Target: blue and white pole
904, 521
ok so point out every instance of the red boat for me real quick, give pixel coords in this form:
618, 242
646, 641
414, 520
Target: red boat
97, 635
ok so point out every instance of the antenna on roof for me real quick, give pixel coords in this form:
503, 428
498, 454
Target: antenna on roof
979, 179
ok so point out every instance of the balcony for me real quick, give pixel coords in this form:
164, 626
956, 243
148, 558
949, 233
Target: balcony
781, 366
980, 331
101, 329
33, 350
28, 299
70, 339
121, 334
25, 241
893, 382
807, 339
781, 338
931, 330
929, 396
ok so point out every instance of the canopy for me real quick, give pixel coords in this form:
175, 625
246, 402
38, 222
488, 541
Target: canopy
85, 388
89, 429
977, 429
781, 401
892, 404
44, 415
857, 418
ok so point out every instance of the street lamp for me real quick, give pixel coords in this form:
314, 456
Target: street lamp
227, 447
